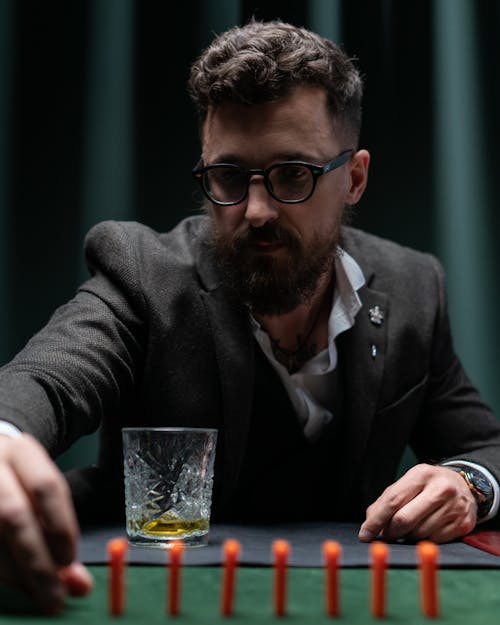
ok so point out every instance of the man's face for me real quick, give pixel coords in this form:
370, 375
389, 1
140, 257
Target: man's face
273, 253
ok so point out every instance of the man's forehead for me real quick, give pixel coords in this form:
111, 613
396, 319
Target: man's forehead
300, 122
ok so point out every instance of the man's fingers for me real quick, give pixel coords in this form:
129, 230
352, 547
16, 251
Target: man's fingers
382, 511
415, 519
38, 527
50, 498
25, 557
77, 579
455, 517
427, 502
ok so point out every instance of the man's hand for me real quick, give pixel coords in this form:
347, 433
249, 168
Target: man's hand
427, 502
38, 529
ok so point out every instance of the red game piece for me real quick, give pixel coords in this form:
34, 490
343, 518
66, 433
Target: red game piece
117, 549
428, 553
379, 554
175, 551
332, 552
231, 550
281, 551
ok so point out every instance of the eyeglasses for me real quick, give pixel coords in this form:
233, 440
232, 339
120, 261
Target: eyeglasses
290, 182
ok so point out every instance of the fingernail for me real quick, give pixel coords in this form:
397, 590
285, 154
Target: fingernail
77, 579
365, 535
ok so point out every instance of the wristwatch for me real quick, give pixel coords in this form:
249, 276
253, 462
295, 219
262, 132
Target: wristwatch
479, 485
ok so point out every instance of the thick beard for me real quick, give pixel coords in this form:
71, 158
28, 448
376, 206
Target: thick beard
270, 285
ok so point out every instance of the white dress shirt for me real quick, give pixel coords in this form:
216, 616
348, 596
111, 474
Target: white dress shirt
310, 389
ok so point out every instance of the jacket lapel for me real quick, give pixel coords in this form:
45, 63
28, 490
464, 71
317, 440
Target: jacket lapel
361, 353
234, 351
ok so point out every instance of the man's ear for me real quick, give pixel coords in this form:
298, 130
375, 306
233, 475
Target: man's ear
358, 171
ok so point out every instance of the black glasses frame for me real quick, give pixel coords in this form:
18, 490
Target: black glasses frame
199, 173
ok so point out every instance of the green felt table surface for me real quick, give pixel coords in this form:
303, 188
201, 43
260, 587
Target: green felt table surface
467, 596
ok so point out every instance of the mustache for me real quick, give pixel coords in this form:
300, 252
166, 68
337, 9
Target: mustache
268, 233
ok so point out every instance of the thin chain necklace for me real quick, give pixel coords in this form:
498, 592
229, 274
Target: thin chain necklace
294, 359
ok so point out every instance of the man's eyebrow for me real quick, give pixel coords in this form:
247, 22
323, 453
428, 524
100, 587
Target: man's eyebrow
225, 158
277, 158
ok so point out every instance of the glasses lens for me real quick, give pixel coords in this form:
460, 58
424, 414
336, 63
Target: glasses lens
291, 182
225, 184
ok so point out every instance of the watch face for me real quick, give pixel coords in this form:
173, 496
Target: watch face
480, 486
479, 481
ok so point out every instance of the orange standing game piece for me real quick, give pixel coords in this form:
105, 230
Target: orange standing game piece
117, 550
379, 552
428, 553
231, 550
175, 552
281, 551
332, 552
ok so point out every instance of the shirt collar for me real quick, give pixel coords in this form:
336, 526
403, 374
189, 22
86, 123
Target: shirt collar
346, 302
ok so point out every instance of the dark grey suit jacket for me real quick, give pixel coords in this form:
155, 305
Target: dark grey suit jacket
152, 338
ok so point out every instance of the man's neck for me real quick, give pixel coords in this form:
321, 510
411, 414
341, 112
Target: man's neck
300, 334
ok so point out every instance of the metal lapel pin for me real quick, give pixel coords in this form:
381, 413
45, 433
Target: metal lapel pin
376, 316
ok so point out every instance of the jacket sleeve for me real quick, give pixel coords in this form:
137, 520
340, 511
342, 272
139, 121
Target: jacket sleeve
86, 360
456, 422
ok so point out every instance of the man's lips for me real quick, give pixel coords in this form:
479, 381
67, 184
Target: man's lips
267, 246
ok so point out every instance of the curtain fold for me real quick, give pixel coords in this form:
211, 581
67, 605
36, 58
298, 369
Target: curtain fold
465, 240
325, 18
108, 181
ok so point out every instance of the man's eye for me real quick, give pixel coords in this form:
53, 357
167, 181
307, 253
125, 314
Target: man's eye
293, 172
226, 175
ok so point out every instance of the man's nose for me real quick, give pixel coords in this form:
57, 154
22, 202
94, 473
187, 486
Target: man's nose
261, 207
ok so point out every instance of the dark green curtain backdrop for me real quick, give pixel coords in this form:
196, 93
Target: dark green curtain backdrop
95, 124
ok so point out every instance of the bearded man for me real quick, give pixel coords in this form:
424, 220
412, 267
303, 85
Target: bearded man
318, 351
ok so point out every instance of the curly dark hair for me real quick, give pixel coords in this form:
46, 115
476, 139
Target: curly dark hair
263, 61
